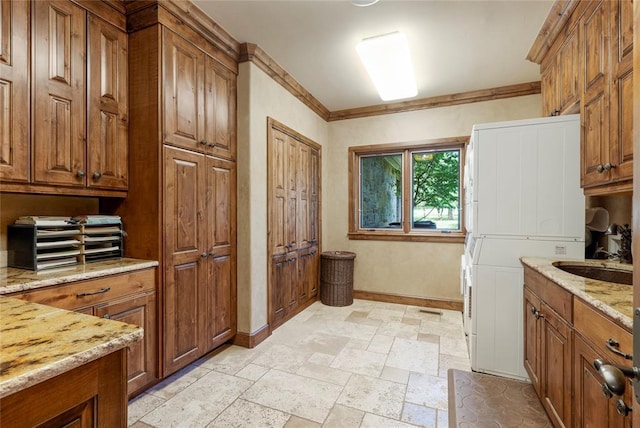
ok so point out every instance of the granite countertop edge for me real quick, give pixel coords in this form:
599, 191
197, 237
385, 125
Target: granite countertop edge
33, 377
576, 285
71, 274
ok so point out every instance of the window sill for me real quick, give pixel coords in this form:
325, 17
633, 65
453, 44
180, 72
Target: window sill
442, 237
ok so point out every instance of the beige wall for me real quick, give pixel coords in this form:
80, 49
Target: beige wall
13, 206
260, 97
413, 269
428, 270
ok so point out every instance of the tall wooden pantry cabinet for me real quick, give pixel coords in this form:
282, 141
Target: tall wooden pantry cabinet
294, 222
181, 207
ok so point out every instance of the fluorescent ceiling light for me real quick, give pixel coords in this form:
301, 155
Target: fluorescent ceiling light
363, 3
388, 62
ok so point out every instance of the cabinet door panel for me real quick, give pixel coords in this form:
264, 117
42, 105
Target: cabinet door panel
593, 409
185, 256
182, 328
14, 91
314, 197
107, 94
302, 167
219, 302
532, 338
622, 127
569, 71
278, 208
595, 46
183, 74
278, 291
291, 216
59, 93
556, 368
138, 310
594, 142
186, 229
220, 105
219, 291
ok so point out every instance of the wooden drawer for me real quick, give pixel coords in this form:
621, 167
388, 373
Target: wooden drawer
597, 329
556, 297
91, 292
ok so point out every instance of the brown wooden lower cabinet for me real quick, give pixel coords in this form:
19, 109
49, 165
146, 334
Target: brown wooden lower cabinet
560, 351
555, 385
592, 407
91, 395
128, 297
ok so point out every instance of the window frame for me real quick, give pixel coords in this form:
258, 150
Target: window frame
405, 233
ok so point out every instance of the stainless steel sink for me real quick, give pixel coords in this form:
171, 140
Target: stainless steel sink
601, 273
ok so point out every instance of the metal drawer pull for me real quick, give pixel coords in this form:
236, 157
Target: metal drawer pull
612, 346
91, 293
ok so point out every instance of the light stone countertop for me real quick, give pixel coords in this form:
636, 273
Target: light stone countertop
14, 280
38, 342
615, 300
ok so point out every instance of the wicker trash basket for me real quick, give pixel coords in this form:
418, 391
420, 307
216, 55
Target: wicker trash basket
336, 278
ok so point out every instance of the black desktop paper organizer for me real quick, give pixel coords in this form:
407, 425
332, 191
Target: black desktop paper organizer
45, 247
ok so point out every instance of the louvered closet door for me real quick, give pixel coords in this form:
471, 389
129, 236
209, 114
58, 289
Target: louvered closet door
186, 255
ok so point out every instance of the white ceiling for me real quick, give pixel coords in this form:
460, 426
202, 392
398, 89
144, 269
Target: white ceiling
457, 46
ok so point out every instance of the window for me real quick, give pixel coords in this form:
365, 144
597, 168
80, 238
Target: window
407, 192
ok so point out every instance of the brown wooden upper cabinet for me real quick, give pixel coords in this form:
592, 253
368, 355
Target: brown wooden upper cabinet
14, 90
79, 100
588, 69
199, 103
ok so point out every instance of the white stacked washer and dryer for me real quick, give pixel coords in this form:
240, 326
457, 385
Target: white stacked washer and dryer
522, 198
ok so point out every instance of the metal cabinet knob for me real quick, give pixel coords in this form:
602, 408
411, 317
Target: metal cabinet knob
212, 253
81, 173
203, 255
96, 175
600, 168
608, 166
622, 408
203, 142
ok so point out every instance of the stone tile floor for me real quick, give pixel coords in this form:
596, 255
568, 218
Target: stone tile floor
370, 364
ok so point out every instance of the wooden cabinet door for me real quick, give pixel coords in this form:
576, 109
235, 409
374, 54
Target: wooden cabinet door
183, 90
549, 87
569, 71
185, 256
532, 336
219, 291
220, 110
14, 91
59, 110
556, 361
594, 51
592, 407
107, 94
621, 111
140, 310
